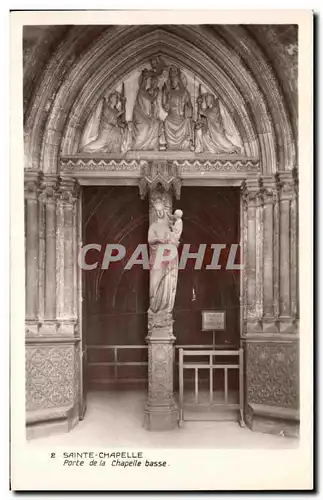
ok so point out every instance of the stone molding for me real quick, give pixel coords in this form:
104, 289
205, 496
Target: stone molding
145, 163
229, 165
100, 165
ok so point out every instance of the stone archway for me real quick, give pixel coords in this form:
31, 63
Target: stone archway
88, 62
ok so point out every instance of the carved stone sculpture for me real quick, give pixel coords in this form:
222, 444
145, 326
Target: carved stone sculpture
147, 127
161, 117
210, 134
113, 132
163, 238
176, 101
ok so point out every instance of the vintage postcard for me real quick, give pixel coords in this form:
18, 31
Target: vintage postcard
161, 178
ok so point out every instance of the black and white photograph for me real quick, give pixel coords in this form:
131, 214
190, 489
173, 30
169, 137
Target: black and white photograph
161, 245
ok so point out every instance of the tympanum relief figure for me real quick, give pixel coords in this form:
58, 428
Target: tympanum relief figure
147, 126
163, 236
210, 133
176, 101
112, 129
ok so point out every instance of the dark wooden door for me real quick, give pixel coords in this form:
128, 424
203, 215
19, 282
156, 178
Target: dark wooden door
211, 215
116, 300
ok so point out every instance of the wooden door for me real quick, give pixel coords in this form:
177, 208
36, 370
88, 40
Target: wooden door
211, 215
116, 300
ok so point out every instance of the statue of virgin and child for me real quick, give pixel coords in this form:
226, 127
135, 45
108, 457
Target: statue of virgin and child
163, 237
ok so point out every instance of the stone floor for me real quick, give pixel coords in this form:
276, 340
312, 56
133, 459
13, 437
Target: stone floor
115, 419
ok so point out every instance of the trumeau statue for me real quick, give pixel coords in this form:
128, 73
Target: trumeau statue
166, 230
161, 118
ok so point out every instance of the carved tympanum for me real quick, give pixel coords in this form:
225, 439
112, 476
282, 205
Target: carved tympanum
161, 112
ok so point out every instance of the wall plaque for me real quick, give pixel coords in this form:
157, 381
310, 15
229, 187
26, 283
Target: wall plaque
213, 320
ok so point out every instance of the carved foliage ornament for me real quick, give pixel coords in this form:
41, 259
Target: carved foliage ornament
50, 376
272, 374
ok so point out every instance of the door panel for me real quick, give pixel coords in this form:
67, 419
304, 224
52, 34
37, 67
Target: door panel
116, 300
211, 215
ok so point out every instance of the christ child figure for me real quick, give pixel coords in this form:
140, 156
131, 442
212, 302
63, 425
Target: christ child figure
176, 226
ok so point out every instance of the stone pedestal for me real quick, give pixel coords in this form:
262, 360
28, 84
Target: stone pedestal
161, 411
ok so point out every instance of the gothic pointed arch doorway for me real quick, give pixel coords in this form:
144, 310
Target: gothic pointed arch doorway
216, 115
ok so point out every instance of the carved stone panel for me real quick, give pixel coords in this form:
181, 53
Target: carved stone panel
160, 373
51, 376
160, 107
272, 373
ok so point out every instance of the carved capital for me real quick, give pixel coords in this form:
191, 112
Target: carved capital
32, 184
269, 190
160, 173
49, 189
252, 192
68, 189
286, 185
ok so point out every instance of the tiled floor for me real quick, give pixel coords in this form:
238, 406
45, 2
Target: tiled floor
115, 419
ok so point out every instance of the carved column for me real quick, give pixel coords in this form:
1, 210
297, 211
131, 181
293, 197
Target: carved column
294, 251
32, 248
269, 201
48, 261
286, 195
253, 249
65, 247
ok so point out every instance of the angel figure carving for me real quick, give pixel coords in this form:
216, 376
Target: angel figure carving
210, 133
111, 127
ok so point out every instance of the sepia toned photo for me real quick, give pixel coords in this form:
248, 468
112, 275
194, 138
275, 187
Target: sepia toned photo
161, 233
